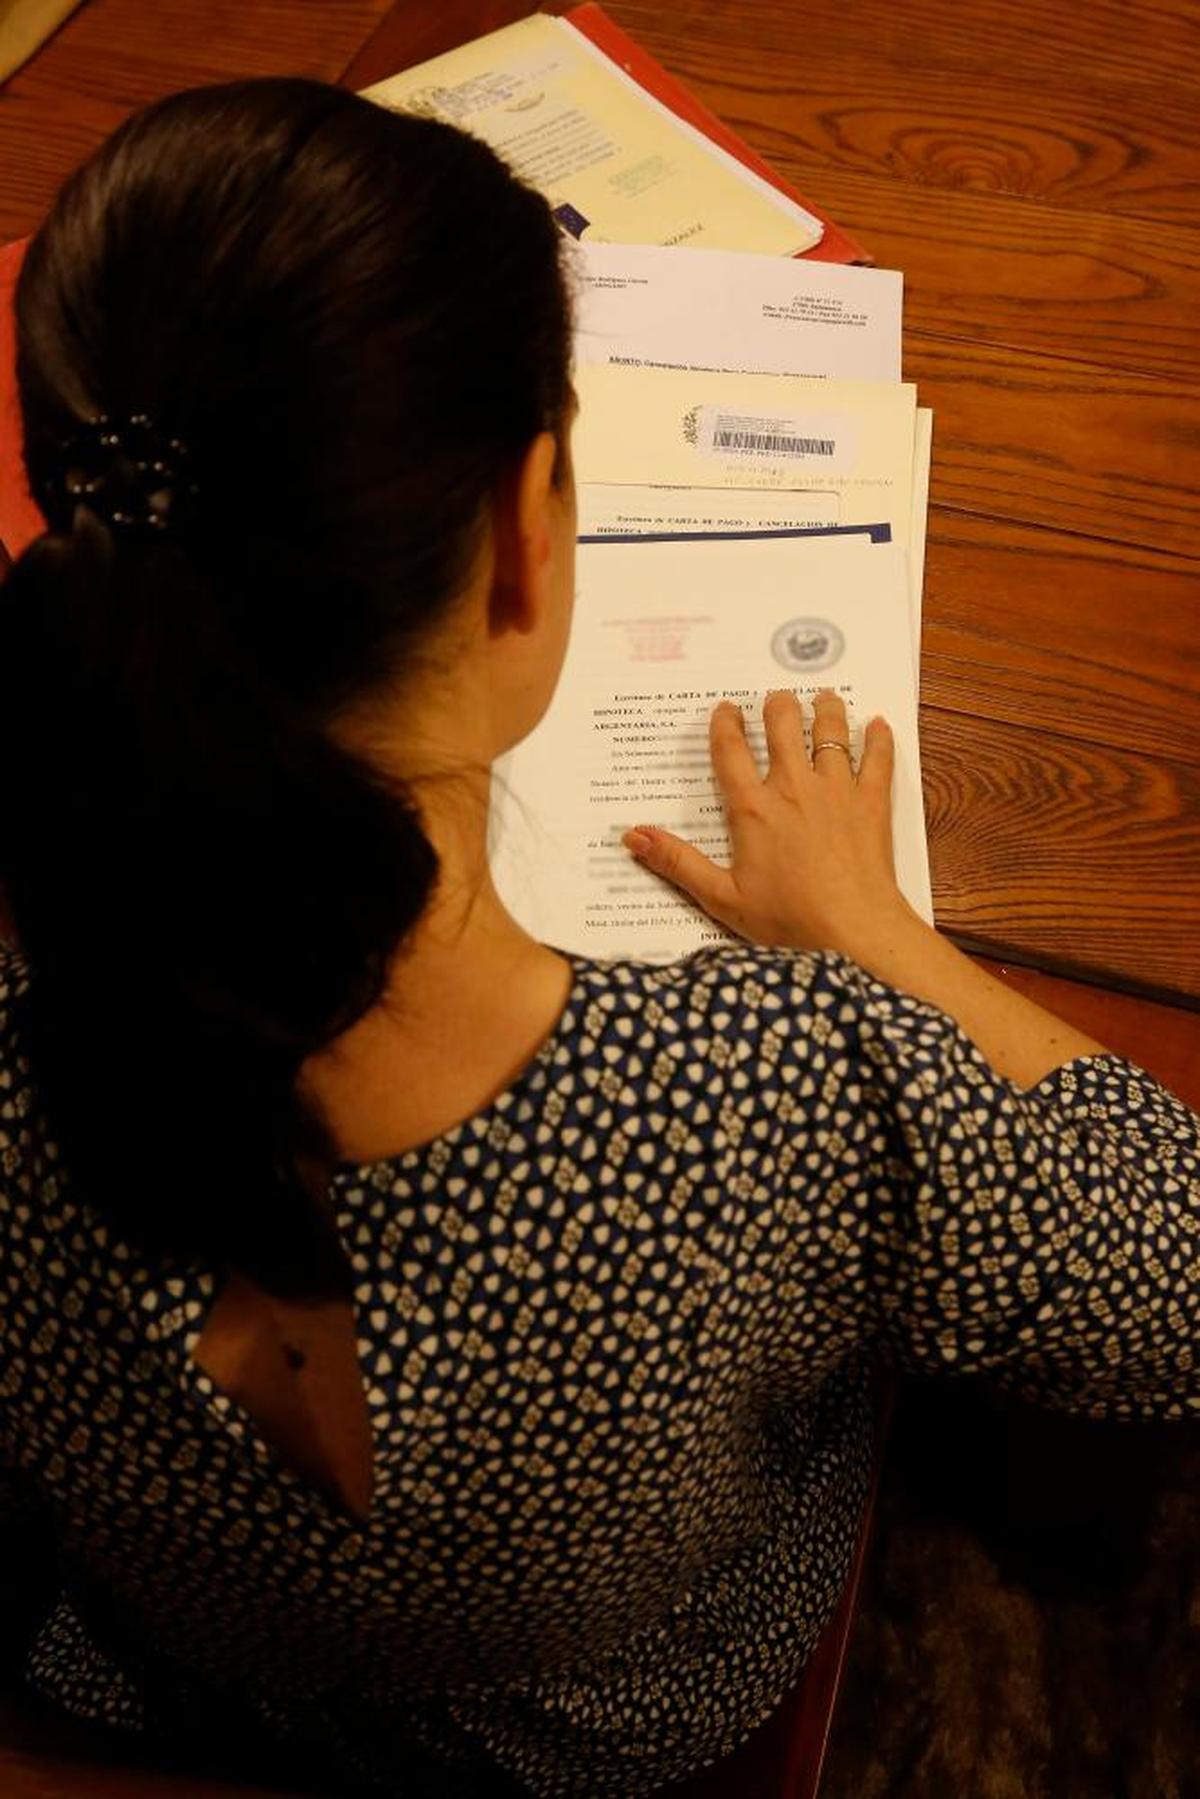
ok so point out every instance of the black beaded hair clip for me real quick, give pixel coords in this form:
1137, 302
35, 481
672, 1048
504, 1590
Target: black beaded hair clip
126, 471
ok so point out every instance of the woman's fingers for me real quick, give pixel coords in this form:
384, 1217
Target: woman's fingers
732, 759
831, 737
783, 719
878, 760
684, 866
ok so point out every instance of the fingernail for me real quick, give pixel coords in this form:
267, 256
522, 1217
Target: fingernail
638, 842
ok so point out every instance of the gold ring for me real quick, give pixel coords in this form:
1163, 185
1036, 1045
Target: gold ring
831, 743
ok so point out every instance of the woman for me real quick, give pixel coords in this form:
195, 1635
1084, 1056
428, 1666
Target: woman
452, 1350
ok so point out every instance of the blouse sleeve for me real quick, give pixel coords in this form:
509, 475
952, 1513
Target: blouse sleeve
1048, 1238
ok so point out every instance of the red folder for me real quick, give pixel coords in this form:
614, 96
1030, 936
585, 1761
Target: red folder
836, 245
20, 520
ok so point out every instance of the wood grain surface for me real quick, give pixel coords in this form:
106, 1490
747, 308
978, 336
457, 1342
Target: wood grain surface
1033, 170
114, 55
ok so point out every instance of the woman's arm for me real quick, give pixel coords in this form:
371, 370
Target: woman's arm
812, 869
1049, 1239
1021, 1040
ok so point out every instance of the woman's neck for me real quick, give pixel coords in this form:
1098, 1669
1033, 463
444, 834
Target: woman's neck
469, 1000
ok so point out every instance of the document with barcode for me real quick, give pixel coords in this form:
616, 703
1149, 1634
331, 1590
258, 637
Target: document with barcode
850, 441
660, 633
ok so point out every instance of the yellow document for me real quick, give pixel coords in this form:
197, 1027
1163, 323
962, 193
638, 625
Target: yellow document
24, 27
681, 428
615, 164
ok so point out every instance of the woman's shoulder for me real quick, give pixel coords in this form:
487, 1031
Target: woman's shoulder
736, 971
723, 964
738, 991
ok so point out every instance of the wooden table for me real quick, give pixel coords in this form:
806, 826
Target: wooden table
1032, 168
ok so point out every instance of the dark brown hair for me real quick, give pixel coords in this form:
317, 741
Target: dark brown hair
356, 321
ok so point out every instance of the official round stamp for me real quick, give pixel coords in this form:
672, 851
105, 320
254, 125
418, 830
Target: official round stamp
806, 645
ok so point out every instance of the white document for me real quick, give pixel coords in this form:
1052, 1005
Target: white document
614, 163
661, 632
623, 511
922, 457
645, 307
675, 428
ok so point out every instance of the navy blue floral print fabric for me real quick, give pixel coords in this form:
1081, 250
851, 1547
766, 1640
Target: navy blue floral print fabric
615, 1333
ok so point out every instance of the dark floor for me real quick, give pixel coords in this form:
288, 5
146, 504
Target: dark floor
1029, 1623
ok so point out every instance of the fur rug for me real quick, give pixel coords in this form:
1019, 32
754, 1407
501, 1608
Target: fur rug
1029, 1622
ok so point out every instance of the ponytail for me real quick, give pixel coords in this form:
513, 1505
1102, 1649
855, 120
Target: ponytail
208, 888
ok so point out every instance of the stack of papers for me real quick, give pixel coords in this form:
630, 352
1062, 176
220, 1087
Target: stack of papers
753, 480
752, 475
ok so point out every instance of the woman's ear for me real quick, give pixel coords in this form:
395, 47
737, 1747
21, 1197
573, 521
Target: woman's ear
523, 540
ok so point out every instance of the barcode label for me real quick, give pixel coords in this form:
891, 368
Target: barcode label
826, 440
772, 443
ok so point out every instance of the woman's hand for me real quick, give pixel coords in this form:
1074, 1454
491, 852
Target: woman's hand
812, 842
812, 869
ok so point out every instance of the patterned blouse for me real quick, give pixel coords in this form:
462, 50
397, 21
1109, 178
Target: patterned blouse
615, 1332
